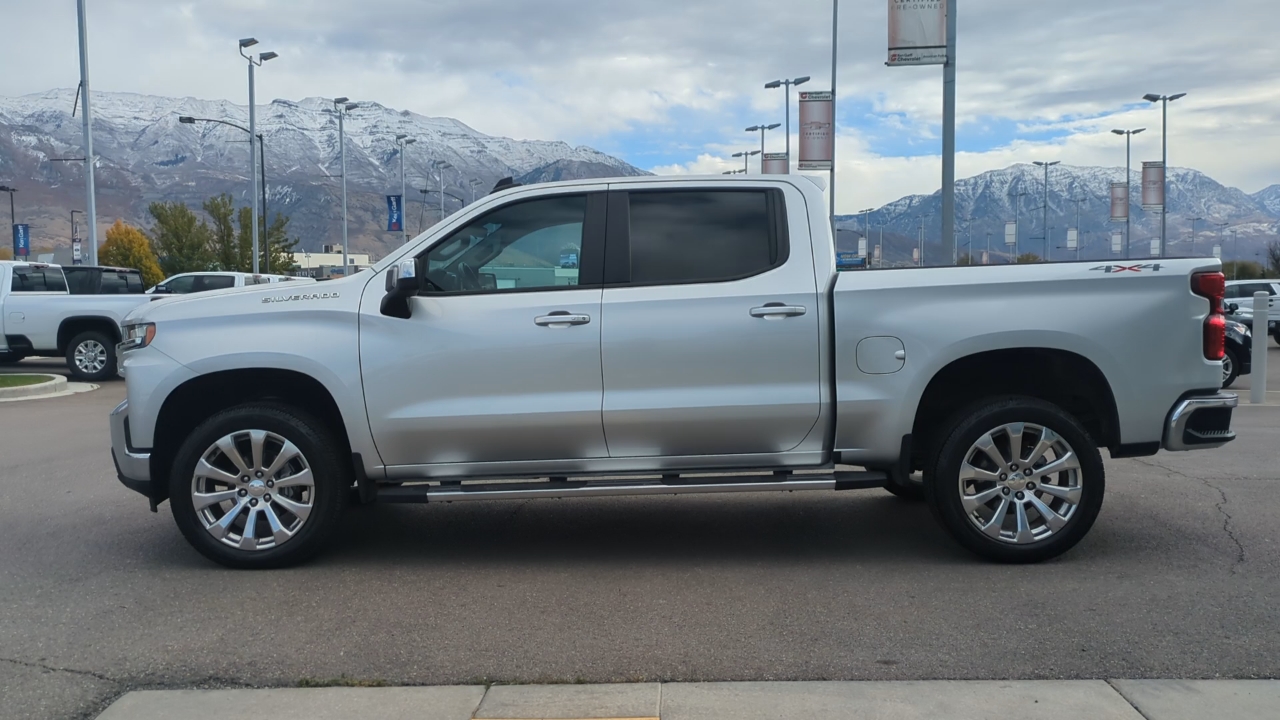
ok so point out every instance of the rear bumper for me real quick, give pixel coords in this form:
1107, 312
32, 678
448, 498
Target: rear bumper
133, 467
1200, 422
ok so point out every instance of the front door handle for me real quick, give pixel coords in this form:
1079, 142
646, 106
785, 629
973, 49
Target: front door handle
561, 320
778, 310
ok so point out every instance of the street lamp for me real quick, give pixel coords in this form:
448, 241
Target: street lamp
746, 159
475, 183
262, 171
1017, 218
253, 160
763, 129
341, 106
1079, 233
1194, 220
787, 108
1128, 184
11, 191
1046, 166
403, 141
440, 166
1164, 100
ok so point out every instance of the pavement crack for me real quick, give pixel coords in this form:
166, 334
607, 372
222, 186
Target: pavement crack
51, 668
1219, 506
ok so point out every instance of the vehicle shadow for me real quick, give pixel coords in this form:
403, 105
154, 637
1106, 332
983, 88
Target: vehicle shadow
862, 526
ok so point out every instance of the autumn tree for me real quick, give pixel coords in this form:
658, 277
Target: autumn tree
127, 247
6, 253
182, 240
1027, 258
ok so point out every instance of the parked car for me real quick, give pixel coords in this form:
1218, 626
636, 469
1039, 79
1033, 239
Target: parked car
1237, 358
95, 280
1240, 293
704, 344
40, 317
196, 282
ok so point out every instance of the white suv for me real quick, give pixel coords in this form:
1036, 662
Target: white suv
195, 282
1240, 293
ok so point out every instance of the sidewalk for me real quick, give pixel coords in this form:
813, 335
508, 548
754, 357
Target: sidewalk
932, 700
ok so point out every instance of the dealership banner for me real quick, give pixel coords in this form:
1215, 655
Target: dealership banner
917, 32
1153, 186
775, 164
1155, 247
1119, 202
862, 247
1073, 239
395, 213
1117, 242
21, 240
1011, 233
817, 130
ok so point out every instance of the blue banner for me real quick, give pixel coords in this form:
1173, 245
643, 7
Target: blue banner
21, 240
395, 213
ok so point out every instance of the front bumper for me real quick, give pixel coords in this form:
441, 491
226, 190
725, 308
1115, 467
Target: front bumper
1200, 422
133, 467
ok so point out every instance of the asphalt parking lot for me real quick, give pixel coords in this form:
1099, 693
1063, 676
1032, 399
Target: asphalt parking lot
1179, 578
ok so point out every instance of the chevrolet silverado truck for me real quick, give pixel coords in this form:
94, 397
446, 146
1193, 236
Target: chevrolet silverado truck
698, 340
40, 317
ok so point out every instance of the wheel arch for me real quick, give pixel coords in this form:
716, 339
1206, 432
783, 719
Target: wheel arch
200, 397
1064, 378
76, 324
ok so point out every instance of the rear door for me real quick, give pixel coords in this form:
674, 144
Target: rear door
38, 301
710, 340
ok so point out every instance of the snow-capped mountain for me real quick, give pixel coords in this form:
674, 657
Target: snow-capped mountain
146, 154
1018, 192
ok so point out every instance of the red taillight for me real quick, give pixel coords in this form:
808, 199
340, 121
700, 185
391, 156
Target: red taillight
1212, 286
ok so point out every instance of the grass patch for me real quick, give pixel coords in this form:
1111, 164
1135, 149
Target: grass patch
342, 681
9, 381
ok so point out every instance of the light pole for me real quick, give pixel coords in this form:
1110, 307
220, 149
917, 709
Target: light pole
1079, 234
475, 183
341, 106
763, 129
746, 159
262, 171
1194, 220
1128, 184
986, 259
1017, 213
866, 228
403, 141
1164, 100
91, 203
440, 166
11, 191
1046, 166
253, 160
787, 113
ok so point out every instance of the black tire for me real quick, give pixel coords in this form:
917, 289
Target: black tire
95, 339
942, 487
1231, 367
8, 358
911, 490
332, 477
1276, 336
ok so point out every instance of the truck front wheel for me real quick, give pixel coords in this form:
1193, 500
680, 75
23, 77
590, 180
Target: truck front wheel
1017, 480
259, 486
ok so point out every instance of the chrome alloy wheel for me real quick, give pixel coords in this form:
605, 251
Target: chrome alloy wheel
1020, 483
1227, 367
253, 490
90, 357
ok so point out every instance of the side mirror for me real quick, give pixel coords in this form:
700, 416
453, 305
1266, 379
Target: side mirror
160, 290
1232, 308
402, 284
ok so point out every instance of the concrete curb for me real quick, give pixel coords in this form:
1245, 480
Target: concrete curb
857, 700
55, 384
68, 388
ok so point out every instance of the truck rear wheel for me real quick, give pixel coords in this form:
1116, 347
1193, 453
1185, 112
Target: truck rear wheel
1017, 480
91, 356
259, 486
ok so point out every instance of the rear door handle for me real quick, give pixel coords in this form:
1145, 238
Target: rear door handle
561, 320
775, 310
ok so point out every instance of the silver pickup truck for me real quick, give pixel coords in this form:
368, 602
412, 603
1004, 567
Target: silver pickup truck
662, 336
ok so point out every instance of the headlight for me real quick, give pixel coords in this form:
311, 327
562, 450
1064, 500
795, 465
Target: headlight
137, 335
1238, 327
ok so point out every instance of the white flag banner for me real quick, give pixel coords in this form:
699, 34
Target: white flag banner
1117, 242
917, 32
817, 130
1011, 233
1155, 247
1153, 186
1119, 202
862, 247
915, 255
1073, 239
1217, 251
774, 164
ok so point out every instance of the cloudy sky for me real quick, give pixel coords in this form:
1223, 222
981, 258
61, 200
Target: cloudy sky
669, 85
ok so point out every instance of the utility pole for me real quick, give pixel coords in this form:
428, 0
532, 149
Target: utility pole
1046, 166
1017, 220
340, 107
403, 141
1164, 100
91, 205
949, 138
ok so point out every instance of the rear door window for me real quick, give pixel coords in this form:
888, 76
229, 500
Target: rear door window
38, 280
698, 236
213, 282
113, 283
81, 280
182, 284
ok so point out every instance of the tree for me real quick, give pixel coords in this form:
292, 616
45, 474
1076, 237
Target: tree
1026, 258
182, 240
1273, 258
228, 251
278, 257
1243, 270
965, 259
126, 246
6, 253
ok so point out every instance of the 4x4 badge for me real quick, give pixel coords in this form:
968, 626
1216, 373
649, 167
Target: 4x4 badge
1153, 267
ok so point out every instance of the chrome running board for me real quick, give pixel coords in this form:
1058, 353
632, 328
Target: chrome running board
585, 487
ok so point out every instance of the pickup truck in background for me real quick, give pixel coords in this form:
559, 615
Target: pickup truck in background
699, 340
1239, 300
40, 317
196, 282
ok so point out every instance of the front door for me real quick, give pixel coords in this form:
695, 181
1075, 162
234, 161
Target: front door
711, 336
499, 361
